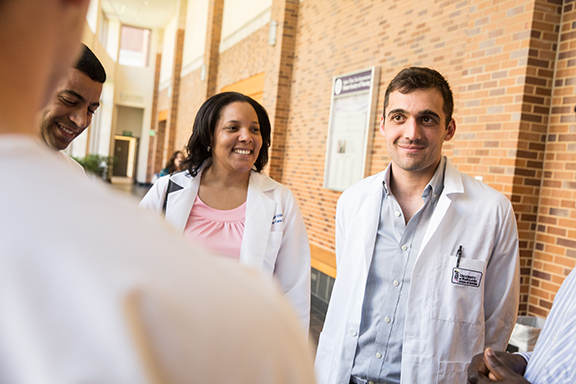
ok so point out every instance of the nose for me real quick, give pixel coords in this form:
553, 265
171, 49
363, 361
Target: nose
81, 118
412, 130
245, 135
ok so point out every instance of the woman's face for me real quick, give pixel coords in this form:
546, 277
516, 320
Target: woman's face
237, 140
178, 160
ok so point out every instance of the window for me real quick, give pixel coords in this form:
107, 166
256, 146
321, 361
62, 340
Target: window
134, 46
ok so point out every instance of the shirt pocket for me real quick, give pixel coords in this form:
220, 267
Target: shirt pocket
272, 249
459, 300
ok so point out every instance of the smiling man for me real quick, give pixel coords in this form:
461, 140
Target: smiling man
71, 109
427, 257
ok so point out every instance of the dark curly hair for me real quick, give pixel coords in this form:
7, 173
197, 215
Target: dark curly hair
413, 78
205, 124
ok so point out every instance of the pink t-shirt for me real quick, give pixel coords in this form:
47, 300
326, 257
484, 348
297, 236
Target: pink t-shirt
220, 231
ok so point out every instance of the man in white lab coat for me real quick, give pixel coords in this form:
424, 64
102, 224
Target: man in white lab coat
427, 257
93, 290
72, 106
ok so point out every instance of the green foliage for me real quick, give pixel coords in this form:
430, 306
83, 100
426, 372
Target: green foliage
100, 166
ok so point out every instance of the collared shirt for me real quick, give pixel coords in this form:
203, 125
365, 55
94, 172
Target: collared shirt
553, 358
379, 350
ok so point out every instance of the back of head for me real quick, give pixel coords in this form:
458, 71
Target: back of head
89, 64
414, 78
205, 125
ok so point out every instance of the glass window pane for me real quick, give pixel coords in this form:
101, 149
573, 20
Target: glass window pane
134, 46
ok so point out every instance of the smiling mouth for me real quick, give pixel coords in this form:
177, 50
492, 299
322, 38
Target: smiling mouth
67, 131
243, 151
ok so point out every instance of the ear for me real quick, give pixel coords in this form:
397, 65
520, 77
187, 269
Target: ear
450, 130
382, 130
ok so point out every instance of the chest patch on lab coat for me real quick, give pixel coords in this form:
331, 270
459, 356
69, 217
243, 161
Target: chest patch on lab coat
277, 219
466, 277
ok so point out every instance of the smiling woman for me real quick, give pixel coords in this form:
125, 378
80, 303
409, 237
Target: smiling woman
224, 201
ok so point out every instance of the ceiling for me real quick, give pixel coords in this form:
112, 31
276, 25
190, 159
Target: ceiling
141, 13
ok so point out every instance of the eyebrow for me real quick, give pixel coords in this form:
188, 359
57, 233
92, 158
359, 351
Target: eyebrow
238, 121
79, 97
426, 112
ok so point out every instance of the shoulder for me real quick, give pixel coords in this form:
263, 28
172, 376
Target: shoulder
481, 192
370, 185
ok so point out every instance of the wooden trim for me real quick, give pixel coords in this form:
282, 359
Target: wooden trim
163, 115
252, 86
323, 260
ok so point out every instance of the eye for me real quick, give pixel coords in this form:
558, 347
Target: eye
67, 102
397, 118
429, 120
255, 129
91, 112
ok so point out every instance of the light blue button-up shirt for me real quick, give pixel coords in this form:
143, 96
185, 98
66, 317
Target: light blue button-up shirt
554, 357
379, 350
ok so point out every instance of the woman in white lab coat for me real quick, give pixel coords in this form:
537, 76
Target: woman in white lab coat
223, 200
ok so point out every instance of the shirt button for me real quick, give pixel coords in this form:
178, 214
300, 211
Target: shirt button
353, 332
396, 283
397, 213
378, 355
404, 247
387, 319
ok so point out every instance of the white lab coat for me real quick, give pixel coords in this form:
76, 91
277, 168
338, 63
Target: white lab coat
275, 241
446, 324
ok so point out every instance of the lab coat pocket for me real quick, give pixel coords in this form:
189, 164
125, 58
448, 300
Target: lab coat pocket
458, 293
272, 248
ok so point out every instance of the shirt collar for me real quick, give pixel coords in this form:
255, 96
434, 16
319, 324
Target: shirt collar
435, 186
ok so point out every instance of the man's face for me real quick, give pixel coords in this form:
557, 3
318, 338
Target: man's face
414, 126
70, 111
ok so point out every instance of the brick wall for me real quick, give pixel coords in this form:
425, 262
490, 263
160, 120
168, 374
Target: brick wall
154, 121
511, 65
555, 246
190, 102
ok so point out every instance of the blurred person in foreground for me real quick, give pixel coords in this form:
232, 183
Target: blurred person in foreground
223, 200
553, 360
72, 106
93, 290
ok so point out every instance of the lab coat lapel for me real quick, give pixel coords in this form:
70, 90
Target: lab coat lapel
259, 213
452, 185
180, 202
370, 215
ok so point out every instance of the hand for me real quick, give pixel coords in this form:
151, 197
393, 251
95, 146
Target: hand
496, 366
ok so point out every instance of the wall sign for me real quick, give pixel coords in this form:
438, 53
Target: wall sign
352, 109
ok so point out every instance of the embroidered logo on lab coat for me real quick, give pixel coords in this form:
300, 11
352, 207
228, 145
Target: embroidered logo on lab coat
466, 277
279, 218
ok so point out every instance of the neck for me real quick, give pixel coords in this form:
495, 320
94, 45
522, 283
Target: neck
409, 183
216, 176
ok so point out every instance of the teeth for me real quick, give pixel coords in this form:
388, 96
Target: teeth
68, 131
242, 151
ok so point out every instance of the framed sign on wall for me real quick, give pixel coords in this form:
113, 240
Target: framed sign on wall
352, 109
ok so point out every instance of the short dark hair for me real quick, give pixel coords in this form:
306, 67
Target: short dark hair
91, 66
205, 125
413, 78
